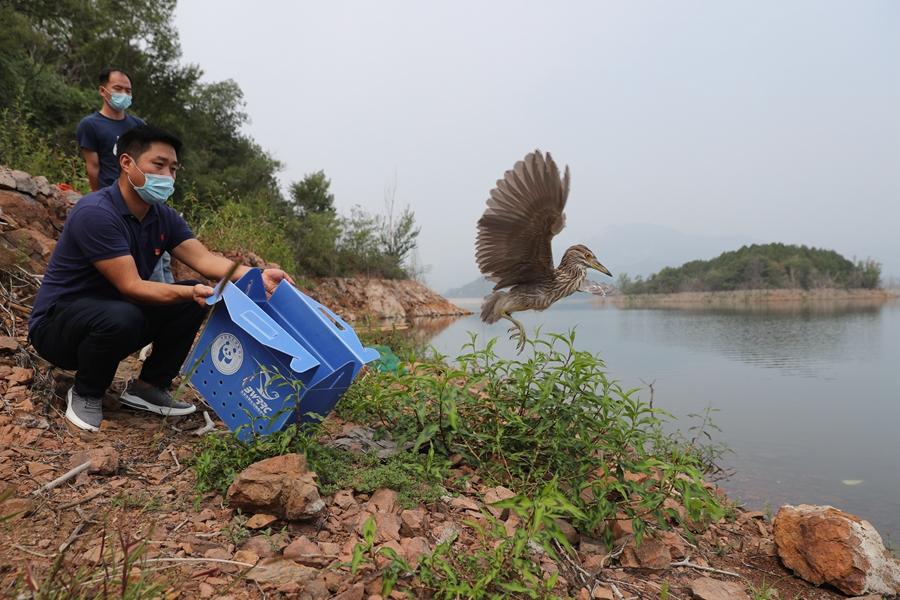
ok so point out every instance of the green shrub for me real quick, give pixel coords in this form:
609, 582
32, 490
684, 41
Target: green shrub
253, 224
24, 147
556, 415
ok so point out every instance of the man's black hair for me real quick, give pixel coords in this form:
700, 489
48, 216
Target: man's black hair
105, 73
137, 140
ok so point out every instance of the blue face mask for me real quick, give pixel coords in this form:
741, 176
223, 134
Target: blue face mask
119, 101
156, 189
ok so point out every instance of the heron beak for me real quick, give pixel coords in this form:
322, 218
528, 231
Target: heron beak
596, 265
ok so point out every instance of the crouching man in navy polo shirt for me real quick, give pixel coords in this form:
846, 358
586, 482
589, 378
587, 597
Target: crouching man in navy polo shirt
96, 305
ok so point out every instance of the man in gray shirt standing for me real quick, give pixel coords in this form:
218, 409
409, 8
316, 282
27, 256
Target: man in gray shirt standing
97, 136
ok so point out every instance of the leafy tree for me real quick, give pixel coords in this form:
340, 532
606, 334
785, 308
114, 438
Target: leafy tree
312, 194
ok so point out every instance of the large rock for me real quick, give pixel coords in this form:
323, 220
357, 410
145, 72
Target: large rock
26, 211
281, 486
822, 544
31, 245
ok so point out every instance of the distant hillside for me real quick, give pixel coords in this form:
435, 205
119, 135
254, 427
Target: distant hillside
479, 288
760, 266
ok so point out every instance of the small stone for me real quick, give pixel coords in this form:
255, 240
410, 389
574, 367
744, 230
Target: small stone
246, 556
207, 514
354, 593
464, 503
21, 375
383, 500
412, 520
44, 543
24, 182
259, 545
42, 185
280, 571
8, 344
601, 592
707, 588
387, 527
344, 499
413, 549
206, 590
104, 461
260, 520
570, 532
620, 526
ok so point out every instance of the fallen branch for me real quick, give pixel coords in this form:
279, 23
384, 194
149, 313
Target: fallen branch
62, 478
32, 552
687, 563
206, 428
200, 560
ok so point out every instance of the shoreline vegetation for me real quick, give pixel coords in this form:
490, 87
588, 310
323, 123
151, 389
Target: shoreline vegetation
826, 299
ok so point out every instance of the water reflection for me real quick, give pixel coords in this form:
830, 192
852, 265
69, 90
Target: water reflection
803, 343
807, 395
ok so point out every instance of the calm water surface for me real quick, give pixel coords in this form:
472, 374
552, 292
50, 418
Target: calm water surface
808, 400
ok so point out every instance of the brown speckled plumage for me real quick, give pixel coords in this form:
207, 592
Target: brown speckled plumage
513, 247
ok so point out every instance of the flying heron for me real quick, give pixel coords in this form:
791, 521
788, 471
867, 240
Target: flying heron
523, 214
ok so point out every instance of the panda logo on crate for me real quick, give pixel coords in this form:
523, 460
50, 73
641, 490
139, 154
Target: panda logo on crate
227, 354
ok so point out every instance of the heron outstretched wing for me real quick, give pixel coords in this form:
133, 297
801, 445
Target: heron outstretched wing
523, 214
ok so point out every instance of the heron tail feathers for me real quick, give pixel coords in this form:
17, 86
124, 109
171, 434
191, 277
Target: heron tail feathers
490, 311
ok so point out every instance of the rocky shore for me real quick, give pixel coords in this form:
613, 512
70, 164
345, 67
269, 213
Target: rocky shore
770, 300
75, 505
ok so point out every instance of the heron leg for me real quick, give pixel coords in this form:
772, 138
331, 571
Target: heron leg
517, 332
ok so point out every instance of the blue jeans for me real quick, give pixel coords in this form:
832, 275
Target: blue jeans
163, 270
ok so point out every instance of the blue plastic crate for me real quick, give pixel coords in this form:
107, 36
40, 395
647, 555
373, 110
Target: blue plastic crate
266, 363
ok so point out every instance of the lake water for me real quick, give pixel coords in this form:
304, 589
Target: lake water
809, 401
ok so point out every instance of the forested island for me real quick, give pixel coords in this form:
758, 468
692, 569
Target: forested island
760, 267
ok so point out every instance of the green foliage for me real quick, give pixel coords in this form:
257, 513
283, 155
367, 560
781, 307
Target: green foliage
760, 266
504, 565
252, 224
364, 553
416, 478
521, 422
24, 147
51, 53
312, 194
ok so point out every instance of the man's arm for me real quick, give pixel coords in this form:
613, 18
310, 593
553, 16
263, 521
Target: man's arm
194, 254
122, 273
92, 166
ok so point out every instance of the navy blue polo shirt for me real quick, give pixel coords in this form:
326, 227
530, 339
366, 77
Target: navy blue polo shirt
101, 226
99, 134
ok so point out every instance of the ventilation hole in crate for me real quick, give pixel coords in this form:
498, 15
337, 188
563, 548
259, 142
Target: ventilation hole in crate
230, 394
214, 392
241, 404
211, 372
205, 382
221, 382
233, 416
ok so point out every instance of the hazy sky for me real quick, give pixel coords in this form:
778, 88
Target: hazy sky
775, 121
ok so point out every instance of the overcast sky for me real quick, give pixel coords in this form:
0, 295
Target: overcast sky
774, 121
